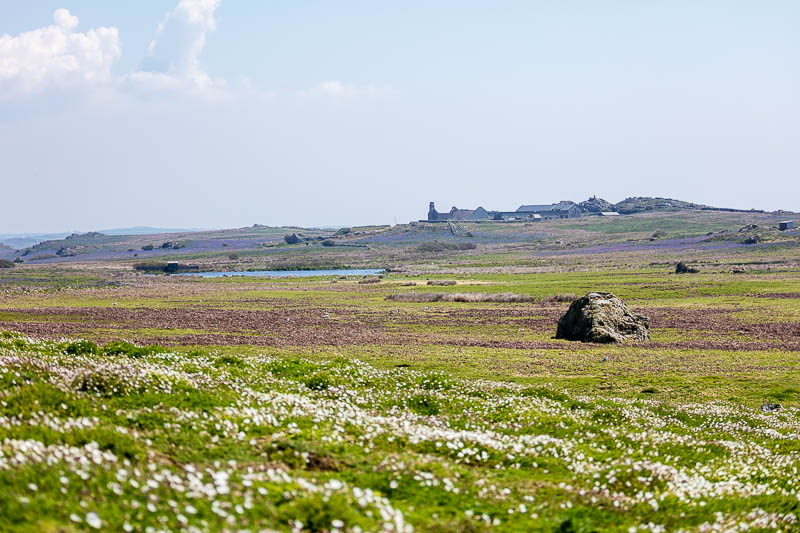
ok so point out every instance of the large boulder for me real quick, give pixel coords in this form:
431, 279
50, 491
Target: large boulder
602, 317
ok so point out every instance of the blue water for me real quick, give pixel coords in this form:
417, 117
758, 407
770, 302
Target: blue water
288, 273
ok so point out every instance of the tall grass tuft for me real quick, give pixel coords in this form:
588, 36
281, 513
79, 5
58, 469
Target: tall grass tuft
468, 297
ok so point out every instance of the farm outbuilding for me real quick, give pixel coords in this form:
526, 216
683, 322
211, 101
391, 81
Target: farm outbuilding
563, 209
786, 224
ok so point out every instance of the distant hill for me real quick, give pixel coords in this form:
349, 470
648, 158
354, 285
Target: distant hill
7, 252
643, 204
640, 204
19, 241
147, 230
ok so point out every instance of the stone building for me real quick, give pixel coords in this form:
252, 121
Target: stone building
563, 209
457, 214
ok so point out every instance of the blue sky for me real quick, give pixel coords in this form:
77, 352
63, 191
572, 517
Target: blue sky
216, 113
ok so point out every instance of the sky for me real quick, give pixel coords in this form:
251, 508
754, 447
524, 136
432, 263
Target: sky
223, 113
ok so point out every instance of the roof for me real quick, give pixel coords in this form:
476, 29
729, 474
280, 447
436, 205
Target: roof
609, 214
533, 208
467, 214
560, 206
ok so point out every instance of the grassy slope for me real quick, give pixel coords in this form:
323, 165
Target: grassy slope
262, 436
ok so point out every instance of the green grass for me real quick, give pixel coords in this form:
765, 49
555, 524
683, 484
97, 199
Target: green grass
268, 440
435, 417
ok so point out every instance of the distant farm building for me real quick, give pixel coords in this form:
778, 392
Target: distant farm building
786, 224
563, 209
457, 215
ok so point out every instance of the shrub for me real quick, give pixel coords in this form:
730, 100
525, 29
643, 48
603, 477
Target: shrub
328, 242
129, 349
681, 268
150, 267
229, 360
291, 239
18, 260
343, 231
317, 512
233, 257
436, 246
434, 382
109, 440
544, 392
80, 347
367, 281
118, 348
101, 383
147, 247
319, 381
164, 267
441, 282
5, 263
290, 368
424, 404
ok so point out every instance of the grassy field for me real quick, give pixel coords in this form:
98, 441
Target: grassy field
321, 404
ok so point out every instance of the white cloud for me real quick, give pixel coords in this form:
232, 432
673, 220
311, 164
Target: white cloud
180, 39
336, 90
56, 55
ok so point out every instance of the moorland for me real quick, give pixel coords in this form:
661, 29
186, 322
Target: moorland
433, 397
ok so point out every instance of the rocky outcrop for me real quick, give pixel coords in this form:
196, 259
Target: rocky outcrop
596, 205
602, 317
682, 268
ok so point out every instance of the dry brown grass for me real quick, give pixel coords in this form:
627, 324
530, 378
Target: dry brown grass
561, 297
470, 297
442, 282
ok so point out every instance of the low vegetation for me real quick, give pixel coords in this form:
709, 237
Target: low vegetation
471, 297
161, 267
112, 439
438, 247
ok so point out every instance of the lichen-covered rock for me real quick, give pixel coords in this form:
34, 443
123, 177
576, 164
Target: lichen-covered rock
602, 317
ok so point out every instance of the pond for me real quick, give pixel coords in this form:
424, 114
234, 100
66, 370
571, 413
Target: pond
289, 273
